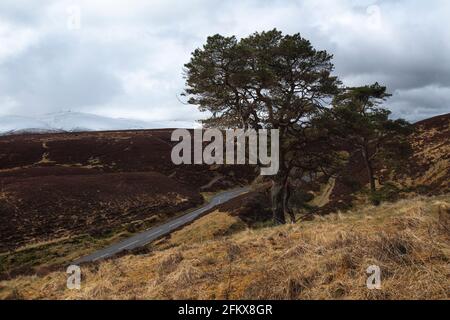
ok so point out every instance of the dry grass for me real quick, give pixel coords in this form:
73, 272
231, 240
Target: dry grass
323, 259
210, 227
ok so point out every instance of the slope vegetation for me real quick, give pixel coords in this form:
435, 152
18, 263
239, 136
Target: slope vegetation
322, 259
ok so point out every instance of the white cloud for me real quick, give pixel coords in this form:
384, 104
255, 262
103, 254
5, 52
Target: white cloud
14, 40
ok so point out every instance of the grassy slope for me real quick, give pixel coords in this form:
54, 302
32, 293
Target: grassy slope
322, 259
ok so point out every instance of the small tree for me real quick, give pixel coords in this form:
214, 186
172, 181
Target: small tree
363, 124
267, 80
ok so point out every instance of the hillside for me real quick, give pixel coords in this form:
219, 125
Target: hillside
80, 190
431, 144
426, 173
64, 195
322, 259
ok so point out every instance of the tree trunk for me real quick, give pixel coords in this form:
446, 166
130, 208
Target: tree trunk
371, 177
287, 195
277, 197
280, 194
369, 170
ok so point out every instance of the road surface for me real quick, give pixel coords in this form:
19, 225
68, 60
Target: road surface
152, 234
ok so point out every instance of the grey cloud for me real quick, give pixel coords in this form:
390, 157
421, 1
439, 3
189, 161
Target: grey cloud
127, 59
420, 103
57, 74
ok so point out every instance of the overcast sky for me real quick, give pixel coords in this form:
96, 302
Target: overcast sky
125, 58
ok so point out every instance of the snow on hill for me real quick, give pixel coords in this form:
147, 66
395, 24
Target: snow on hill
13, 123
77, 121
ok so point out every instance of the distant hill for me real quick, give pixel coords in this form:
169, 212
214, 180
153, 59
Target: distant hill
78, 122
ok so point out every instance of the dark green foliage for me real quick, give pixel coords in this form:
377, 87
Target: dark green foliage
363, 124
388, 192
420, 189
300, 198
353, 184
265, 80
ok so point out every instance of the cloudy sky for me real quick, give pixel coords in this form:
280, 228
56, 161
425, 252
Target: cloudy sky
125, 59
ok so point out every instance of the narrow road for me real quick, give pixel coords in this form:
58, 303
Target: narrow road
152, 234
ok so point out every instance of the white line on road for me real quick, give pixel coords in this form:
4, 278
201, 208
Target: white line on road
157, 233
129, 244
173, 224
101, 257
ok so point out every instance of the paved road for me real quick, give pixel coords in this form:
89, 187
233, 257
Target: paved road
152, 234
